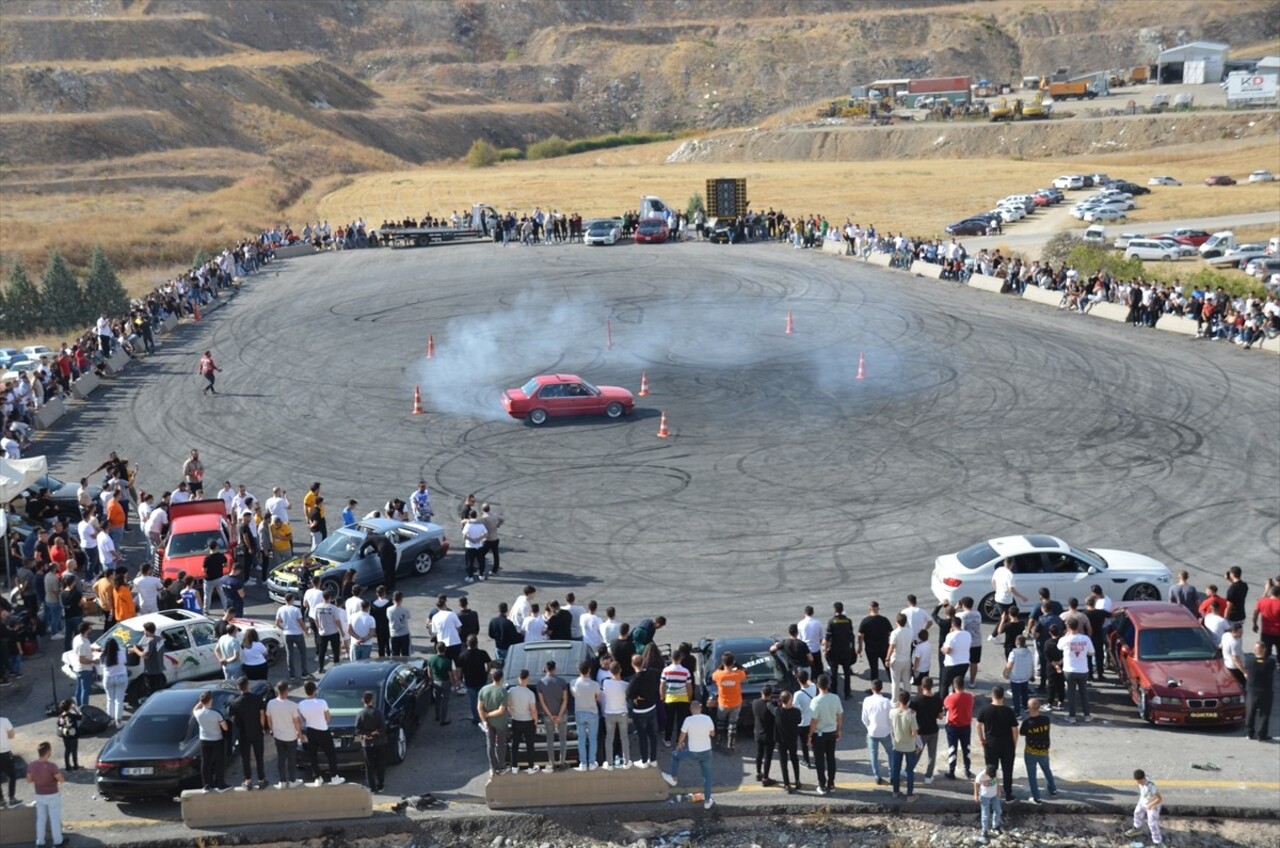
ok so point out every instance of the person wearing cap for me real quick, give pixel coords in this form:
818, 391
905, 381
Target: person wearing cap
349, 514
1232, 644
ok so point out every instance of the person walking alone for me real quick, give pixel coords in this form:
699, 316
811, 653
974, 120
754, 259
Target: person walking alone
208, 369
1035, 752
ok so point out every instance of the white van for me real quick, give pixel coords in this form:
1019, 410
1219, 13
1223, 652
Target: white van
1097, 234
1149, 249
1069, 182
1273, 246
1218, 244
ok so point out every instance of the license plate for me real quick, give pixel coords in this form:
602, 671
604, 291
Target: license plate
138, 771
1204, 715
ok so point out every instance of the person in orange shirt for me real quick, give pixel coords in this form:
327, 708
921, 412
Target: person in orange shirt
116, 518
59, 554
123, 606
728, 679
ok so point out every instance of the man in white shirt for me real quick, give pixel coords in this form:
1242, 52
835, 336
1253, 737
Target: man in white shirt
522, 703
241, 501
810, 631
696, 734
315, 719
361, 628
875, 718
589, 624
289, 620
354, 603
88, 533
1232, 644
329, 629
1005, 593
535, 627
576, 612
522, 608
613, 703
1076, 649
148, 587
955, 653
917, 618
610, 628
901, 644
446, 626
1216, 625
181, 495
227, 495
285, 723
278, 505
157, 526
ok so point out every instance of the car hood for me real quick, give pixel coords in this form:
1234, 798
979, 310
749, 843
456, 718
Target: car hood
287, 574
1194, 677
615, 393
1127, 561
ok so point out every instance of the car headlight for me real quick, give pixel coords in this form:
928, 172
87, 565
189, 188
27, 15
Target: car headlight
1233, 699
1166, 700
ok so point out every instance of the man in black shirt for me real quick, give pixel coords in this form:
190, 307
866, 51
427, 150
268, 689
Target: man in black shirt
762, 715
838, 646
388, 557
998, 735
503, 632
622, 650
873, 639
1260, 679
786, 731
371, 731
473, 667
1237, 591
1036, 750
468, 620
250, 716
795, 650
928, 708
559, 622
215, 562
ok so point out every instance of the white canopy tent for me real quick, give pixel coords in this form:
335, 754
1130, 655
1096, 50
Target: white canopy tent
17, 475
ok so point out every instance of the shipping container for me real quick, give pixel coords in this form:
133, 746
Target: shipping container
935, 85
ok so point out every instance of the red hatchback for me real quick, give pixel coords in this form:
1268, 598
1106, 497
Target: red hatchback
1221, 179
1169, 664
651, 231
565, 394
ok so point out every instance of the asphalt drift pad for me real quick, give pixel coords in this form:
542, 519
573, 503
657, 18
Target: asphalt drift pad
785, 476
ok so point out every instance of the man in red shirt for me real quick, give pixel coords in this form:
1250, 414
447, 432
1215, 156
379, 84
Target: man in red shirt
209, 370
1268, 610
1213, 602
959, 705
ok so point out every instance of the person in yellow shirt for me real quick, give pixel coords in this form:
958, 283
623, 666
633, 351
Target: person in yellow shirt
123, 605
281, 539
309, 499
729, 678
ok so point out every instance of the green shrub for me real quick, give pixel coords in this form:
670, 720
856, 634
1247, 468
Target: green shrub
482, 154
1089, 259
695, 205
1057, 249
548, 148
555, 146
510, 154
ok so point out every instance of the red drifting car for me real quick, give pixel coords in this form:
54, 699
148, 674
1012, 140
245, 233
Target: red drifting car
565, 394
191, 526
1170, 665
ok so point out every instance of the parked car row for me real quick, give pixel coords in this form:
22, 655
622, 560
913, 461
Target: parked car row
1260, 176
1013, 208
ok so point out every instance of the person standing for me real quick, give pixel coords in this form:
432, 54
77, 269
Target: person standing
764, 731
1147, 810
420, 502
46, 779
613, 701
214, 564
372, 732
728, 680
151, 649
398, 626
209, 370
7, 766
642, 703
289, 620
83, 646
213, 747
193, 474
1019, 668
803, 701
227, 653
794, 650
317, 525
441, 669
900, 655
504, 632
987, 793
315, 720
838, 645
875, 718
1232, 647
905, 751
928, 709
959, 707
473, 665
786, 730
586, 714
1260, 675
694, 743
553, 707
69, 718
249, 714
1006, 594
1183, 592
474, 537
328, 629
972, 620
675, 690
285, 723
810, 630
381, 626
1237, 595
72, 600
824, 733
495, 719
873, 639
998, 736
277, 506
491, 524
955, 653
361, 628
1076, 649
1266, 618
1035, 752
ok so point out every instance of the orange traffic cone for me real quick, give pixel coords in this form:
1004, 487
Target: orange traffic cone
431, 346
417, 401
790, 326
862, 371
663, 432
644, 385
195, 310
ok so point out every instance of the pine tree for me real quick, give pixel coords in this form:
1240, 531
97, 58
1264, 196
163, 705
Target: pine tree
23, 300
102, 289
64, 306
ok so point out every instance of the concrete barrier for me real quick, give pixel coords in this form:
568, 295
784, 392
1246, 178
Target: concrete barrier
1048, 297
301, 248
83, 387
117, 361
265, 806
1175, 324
1269, 345
881, 259
836, 248
570, 788
52, 410
18, 825
927, 269
167, 325
985, 283
1110, 311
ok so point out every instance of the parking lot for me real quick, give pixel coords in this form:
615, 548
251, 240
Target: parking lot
786, 480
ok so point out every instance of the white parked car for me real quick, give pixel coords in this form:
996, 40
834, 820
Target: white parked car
1262, 177
40, 352
1151, 249
1097, 234
1009, 213
1122, 240
1105, 213
1046, 562
1163, 181
188, 646
1262, 268
1069, 182
1245, 253
602, 231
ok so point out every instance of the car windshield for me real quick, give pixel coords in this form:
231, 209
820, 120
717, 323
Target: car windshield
127, 636
601, 227
340, 696
976, 556
649, 227
761, 668
1175, 643
189, 544
340, 547
590, 388
50, 482
159, 728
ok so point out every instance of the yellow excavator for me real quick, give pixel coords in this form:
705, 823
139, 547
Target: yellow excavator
1005, 109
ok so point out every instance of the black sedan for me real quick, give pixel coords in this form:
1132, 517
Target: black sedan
969, 227
401, 690
752, 654
157, 753
62, 496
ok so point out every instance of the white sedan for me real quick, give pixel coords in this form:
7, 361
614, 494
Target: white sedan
1262, 177
1163, 181
1046, 562
602, 231
1105, 213
188, 646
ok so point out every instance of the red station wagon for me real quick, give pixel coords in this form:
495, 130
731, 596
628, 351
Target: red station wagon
565, 394
191, 526
1171, 667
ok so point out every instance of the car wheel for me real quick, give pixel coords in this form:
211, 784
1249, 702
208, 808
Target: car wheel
333, 586
537, 417
274, 651
613, 410
1142, 592
422, 563
990, 611
1167, 258
400, 747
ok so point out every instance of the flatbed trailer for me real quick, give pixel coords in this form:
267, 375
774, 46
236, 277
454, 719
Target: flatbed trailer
480, 226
